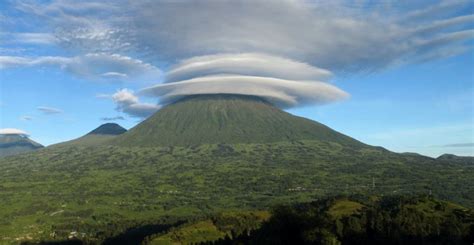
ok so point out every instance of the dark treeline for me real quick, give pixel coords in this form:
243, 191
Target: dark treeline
390, 220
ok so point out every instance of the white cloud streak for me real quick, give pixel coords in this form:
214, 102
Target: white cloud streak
26, 118
443, 7
49, 110
460, 145
96, 66
28, 38
112, 118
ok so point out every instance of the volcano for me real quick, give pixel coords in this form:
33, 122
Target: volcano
225, 118
12, 144
98, 136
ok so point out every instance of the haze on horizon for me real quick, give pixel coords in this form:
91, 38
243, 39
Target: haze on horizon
393, 74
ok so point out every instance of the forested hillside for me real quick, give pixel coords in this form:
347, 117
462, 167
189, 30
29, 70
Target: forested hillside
342, 220
94, 193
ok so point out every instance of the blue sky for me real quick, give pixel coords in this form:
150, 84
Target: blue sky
404, 82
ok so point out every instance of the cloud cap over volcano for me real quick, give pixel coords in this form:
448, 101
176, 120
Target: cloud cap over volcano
281, 81
13, 131
282, 93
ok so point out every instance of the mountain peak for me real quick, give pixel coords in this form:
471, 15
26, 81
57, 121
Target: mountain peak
108, 129
11, 144
225, 118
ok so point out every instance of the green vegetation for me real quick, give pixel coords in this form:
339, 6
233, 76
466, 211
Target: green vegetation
386, 220
213, 119
219, 227
340, 220
87, 140
95, 193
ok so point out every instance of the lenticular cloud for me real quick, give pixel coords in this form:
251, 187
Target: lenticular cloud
250, 64
283, 82
282, 93
12, 131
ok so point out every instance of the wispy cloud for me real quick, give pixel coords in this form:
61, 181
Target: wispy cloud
27, 38
459, 145
443, 7
97, 66
26, 118
112, 118
49, 110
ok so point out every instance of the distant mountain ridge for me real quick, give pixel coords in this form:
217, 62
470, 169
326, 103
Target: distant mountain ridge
13, 144
108, 129
457, 159
99, 136
225, 118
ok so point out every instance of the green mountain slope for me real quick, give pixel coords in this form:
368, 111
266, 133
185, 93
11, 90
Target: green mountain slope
211, 119
99, 136
16, 144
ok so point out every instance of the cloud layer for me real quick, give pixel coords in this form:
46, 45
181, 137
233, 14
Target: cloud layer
284, 82
12, 131
93, 66
250, 64
281, 92
340, 36
282, 50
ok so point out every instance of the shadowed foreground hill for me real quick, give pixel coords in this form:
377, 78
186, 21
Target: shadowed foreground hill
342, 220
222, 118
11, 144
